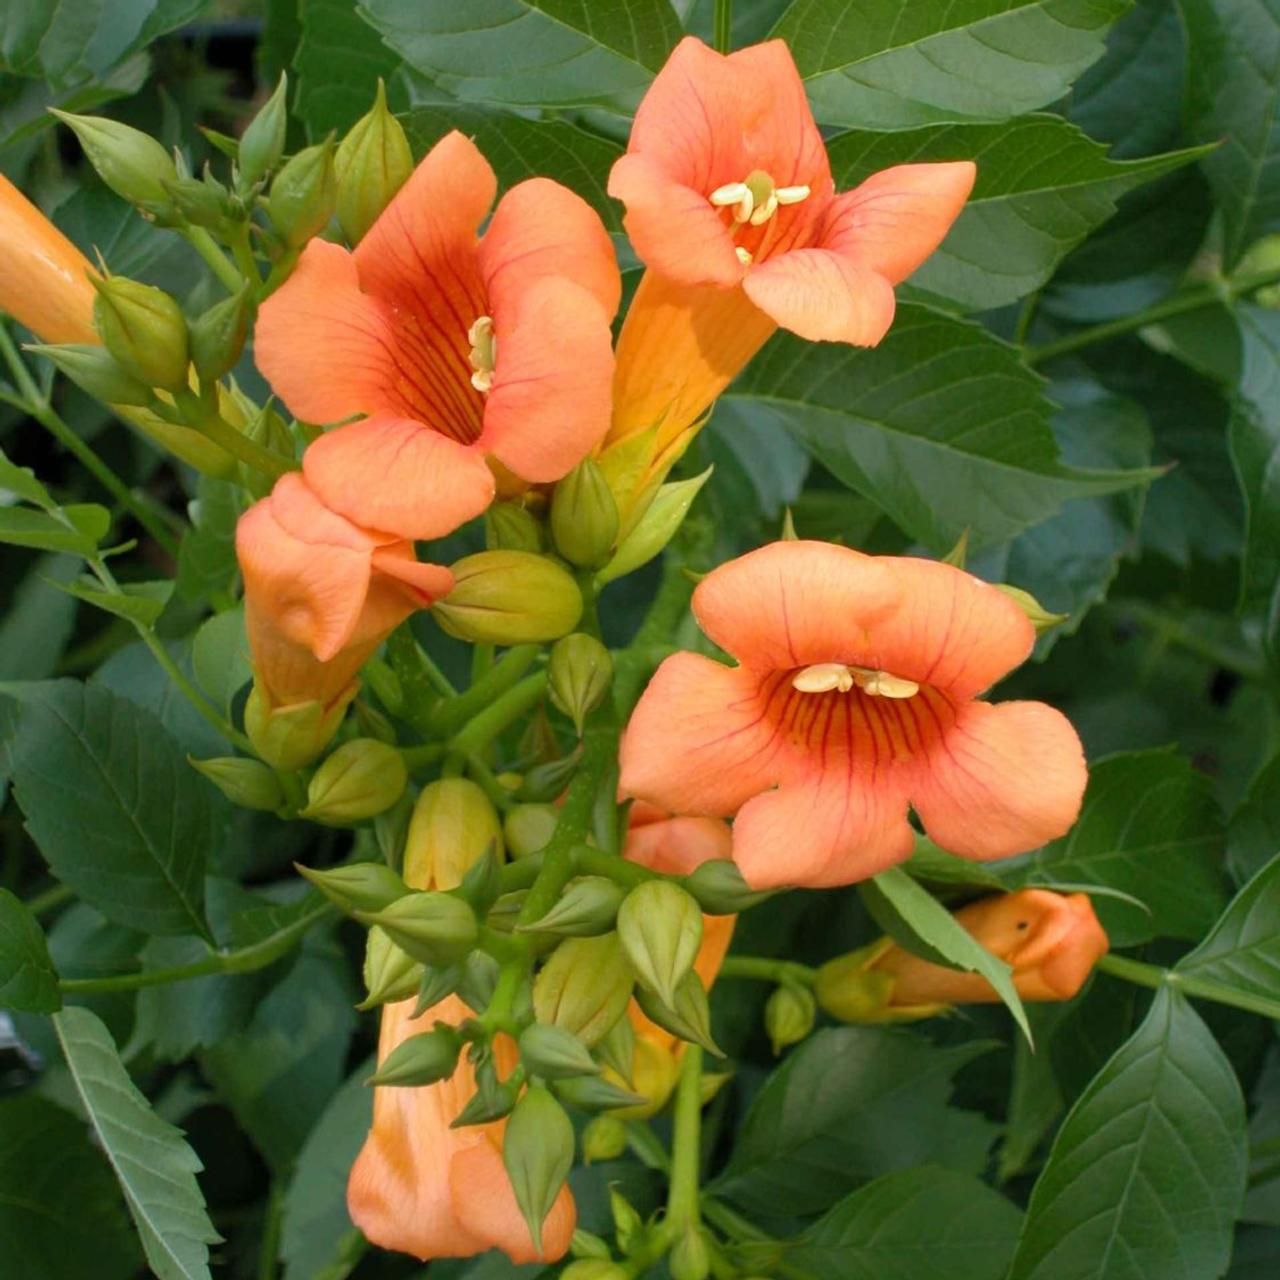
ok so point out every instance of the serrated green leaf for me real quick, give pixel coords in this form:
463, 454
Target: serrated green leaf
531, 52
113, 805
941, 425
926, 921
22, 482
220, 656
1148, 1171
40, 620
207, 555
28, 980
337, 63
141, 602
880, 64
1042, 186
154, 1165
1253, 833
21, 527
1151, 828
917, 1224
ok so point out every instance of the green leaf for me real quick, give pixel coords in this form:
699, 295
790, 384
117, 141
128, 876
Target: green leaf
40, 620
220, 656
849, 1104
22, 482
519, 148
531, 52
1234, 99
154, 1165
1042, 186
97, 221
141, 602
917, 1224
338, 61
663, 517
60, 1212
1253, 834
932, 931
1148, 1170
88, 525
880, 64
28, 980
941, 425
113, 805
1151, 828
207, 555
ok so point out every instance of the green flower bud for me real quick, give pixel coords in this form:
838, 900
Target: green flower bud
454, 825
289, 737
628, 1226
788, 1015
133, 164
848, 989
720, 890
710, 1083
529, 827
266, 427
616, 1050
578, 675
435, 928
422, 1059
584, 987
688, 1259
587, 907
94, 369
654, 529
537, 1149
584, 516
361, 778
200, 202
360, 886
248, 783
595, 1093
482, 884
604, 1138
478, 981
144, 329
594, 1269
585, 1245
437, 982
509, 597
493, 1099
509, 526
660, 928
652, 1078
389, 973
546, 781
688, 1017
218, 336
304, 194
372, 723
262, 143
373, 162
504, 915
555, 1053
1037, 614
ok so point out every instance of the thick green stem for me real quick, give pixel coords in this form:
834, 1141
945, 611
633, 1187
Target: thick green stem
481, 730
49, 899
686, 1146
1150, 975
194, 412
767, 970
217, 261
596, 862
449, 716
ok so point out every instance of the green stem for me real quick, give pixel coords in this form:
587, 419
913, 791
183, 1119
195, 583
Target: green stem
484, 778
1191, 300
481, 729
723, 25
1150, 975
731, 1223
269, 1252
52, 897
596, 862
194, 412
767, 970
257, 955
248, 264
686, 1146
648, 1149
481, 662
449, 716
416, 757
218, 262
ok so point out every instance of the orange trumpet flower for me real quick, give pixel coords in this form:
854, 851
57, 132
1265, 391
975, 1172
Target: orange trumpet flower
856, 695
460, 350
731, 205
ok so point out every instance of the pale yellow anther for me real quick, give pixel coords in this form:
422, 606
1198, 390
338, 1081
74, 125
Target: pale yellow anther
791, 195
765, 211
880, 684
729, 194
744, 255
483, 354
824, 677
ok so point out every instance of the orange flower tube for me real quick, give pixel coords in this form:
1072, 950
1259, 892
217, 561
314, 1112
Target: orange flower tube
855, 696
457, 351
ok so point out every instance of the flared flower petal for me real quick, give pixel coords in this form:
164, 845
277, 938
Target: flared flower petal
822, 296
674, 846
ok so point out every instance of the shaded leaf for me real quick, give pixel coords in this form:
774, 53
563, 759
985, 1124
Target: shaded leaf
220, 656
337, 63
28, 980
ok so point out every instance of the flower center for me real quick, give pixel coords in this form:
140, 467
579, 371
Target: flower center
754, 201
823, 677
484, 353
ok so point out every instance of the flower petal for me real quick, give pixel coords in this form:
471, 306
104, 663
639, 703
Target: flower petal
1001, 780
674, 845
324, 346
823, 297
552, 384
393, 474
700, 740
898, 217
790, 604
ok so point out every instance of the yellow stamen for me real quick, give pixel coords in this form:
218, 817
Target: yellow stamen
484, 353
756, 199
744, 255
724, 196
883, 685
791, 195
823, 677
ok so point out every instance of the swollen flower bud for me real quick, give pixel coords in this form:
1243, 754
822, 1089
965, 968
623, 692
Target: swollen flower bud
788, 1015
537, 1149
720, 890
361, 778
578, 675
508, 526
654, 529
421, 1059
218, 336
372, 163
688, 1016
1037, 614
454, 824
652, 1076
290, 737
555, 1053
133, 164
389, 973
660, 928
435, 928
604, 1138
262, 143
584, 516
509, 597
587, 907
595, 1093
628, 1225
584, 986
248, 783
144, 329
528, 828
303, 194
360, 886
847, 989
200, 202
688, 1259
94, 369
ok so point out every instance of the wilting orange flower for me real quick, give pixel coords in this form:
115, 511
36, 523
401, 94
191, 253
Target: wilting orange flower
855, 695
1051, 941
730, 201
426, 1189
458, 349
321, 594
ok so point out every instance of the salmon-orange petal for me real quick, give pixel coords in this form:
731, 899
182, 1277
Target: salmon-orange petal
790, 604
699, 741
823, 297
394, 474
897, 217
1001, 780
675, 846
